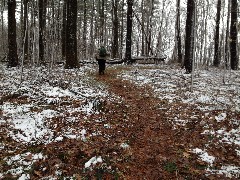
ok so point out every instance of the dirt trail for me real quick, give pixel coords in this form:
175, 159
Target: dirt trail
154, 152
135, 137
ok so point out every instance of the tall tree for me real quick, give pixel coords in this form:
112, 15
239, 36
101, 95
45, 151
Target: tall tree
115, 28
102, 22
227, 37
91, 42
42, 24
64, 24
216, 60
233, 35
178, 34
188, 61
142, 29
2, 27
12, 43
84, 44
122, 29
150, 8
71, 36
128, 53
25, 23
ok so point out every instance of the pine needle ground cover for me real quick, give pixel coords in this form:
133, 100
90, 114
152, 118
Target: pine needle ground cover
135, 122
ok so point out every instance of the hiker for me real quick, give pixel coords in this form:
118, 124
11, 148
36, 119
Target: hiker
101, 58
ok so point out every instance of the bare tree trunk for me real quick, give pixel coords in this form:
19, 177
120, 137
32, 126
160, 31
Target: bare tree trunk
142, 29
71, 38
194, 31
102, 23
84, 43
233, 35
122, 29
216, 60
227, 37
188, 41
128, 54
64, 22
149, 29
160, 34
2, 28
115, 28
25, 22
178, 35
42, 23
205, 31
24, 40
92, 45
12, 43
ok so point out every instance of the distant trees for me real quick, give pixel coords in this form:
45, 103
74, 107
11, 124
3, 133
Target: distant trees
12, 43
126, 27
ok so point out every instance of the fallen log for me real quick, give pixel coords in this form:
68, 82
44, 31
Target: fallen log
149, 59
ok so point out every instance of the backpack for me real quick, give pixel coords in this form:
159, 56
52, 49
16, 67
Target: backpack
102, 51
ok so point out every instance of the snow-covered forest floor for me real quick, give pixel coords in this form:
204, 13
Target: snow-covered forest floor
60, 123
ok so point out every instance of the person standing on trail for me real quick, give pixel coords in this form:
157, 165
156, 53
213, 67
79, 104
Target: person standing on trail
101, 57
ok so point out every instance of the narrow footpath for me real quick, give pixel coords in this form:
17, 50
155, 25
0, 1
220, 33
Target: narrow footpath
154, 151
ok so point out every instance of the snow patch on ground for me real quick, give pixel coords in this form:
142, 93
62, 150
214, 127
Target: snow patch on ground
23, 162
41, 88
204, 156
229, 171
208, 86
93, 161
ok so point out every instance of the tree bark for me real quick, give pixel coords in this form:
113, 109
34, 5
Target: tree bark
91, 45
178, 36
188, 40
122, 29
115, 29
227, 54
84, 44
233, 35
216, 61
42, 23
71, 37
64, 22
25, 36
12, 43
102, 23
142, 30
128, 54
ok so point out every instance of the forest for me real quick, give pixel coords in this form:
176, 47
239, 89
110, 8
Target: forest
204, 32
167, 107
